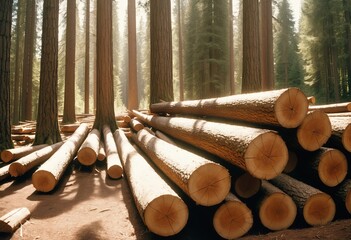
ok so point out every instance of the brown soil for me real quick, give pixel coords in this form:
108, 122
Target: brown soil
88, 205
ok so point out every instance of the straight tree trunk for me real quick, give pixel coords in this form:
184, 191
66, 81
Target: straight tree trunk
231, 49
105, 113
69, 115
47, 129
5, 39
285, 107
204, 181
180, 50
27, 82
160, 207
161, 85
260, 152
87, 58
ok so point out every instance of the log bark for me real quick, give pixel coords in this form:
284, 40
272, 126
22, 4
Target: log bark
136, 125
47, 176
286, 107
326, 166
4, 172
24, 164
159, 206
260, 152
101, 154
114, 165
9, 155
341, 133
88, 152
332, 108
204, 181
317, 207
233, 218
12, 220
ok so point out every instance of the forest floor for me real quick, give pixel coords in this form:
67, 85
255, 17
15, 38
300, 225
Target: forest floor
86, 204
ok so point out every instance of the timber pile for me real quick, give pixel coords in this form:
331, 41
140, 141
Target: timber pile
253, 161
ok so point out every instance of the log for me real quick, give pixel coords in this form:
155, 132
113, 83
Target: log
164, 137
4, 172
233, 218
285, 107
317, 207
261, 152
343, 193
122, 124
9, 155
314, 131
114, 165
332, 108
326, 166
70, 128
292, 162
24, 164
136, 125
204, 181
46, 177
88, 152
160, 207
12, 220
341, 133
22, 130
311, 100
101, 154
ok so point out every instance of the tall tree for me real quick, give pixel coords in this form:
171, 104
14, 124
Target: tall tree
69, 115
87, 56
180, 49
161, 82
251, 79
231, 49
132, 58
5, 39
105, 113
47, 129
266, 48
27, 82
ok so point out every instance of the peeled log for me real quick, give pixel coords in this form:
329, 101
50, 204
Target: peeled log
318, 208
89, 150
102, 154
9, 155
114, 165
285, 107
4, 172
341, 133
233, 218
47, 176
24, 164
332, 108
12, 220
260, 152
161, 209
206, 182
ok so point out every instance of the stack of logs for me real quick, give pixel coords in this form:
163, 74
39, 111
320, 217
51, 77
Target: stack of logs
269, 156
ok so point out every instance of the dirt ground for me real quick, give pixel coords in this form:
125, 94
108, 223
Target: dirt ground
88, 205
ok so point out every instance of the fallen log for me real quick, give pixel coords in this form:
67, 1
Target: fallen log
204, 181
24, 164
260, 152
9, 155
12, 220
47, 176
4, 172
341, 133
316, 207
233, 218
101, 154
285, 107
22, 130
88, 152
136, 125
69, 128
332, 108
160, 207
114, 165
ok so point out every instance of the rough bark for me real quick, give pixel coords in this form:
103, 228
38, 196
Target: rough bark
12, 220
114, 165
206, 182
233, 218
48, 175
261, 152
25, 163
89, 150
9, 155
286, 107
317, 207
341, 133
159, 206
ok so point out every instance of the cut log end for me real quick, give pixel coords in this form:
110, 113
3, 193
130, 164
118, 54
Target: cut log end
6, 156
209, 184
115, 171
319, 209
348, 201
233, 219
278, 211
332, 168
266, 156
166, 215
246, 185
291, 108
314, 131
16, 169
346, 138
292, 162
87, 156
43, 181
